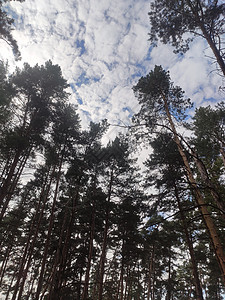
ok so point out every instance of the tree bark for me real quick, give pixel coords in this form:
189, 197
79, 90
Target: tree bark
10, 183
47, 243
150, 294
208, 38
4, 263
105, 237
62, 252
91, 244
199, 294
219, 252
169, 287
28, 251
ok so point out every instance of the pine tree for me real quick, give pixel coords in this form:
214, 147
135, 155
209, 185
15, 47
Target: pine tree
37, 91
171, 182
171, 20
163, 104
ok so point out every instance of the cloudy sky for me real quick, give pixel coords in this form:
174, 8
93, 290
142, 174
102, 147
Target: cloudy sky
102, 47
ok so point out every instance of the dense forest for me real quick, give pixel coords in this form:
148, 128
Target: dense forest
79, 219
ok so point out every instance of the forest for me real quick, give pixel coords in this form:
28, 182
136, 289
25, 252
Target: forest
81, 220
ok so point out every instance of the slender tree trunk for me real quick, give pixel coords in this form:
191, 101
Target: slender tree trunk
47, 243
28, 251
62, 252
4, 263
105, 237
5, 169
91, 244
6, 184
127, 284
150, 273
169, 287
199, 198
32, 281
12, 183
54, 291
121, 284
9, 288
199, 294
207, 36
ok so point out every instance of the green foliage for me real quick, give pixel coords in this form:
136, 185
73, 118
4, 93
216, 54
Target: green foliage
85, 209
6, 94
209, 128
6, 28
152, 91
170, 20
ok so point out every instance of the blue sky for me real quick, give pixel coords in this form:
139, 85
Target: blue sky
102, 47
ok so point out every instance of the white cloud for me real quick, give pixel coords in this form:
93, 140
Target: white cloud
102, 47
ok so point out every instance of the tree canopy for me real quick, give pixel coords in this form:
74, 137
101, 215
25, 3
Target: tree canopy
176, 22
80, 219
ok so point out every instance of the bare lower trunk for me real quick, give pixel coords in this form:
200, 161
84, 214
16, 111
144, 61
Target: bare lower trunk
4, 263
199, 294
52, 216
104, 245
34, 230
150, 294
91, 244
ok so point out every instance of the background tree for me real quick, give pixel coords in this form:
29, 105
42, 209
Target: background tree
171, 20
38, 91
6, 28
162, 105
165, 171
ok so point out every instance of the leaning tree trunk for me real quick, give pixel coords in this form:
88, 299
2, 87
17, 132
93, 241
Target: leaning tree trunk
202, 206
208, 37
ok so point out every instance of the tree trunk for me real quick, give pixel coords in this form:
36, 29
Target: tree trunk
4, 263
52, 216
199, 294
169, 287
28, 252
10, 286
150, 294
10, 183
208, 38
120, 284
6, 184
91, 244
199, 198
104, 245
62, 252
